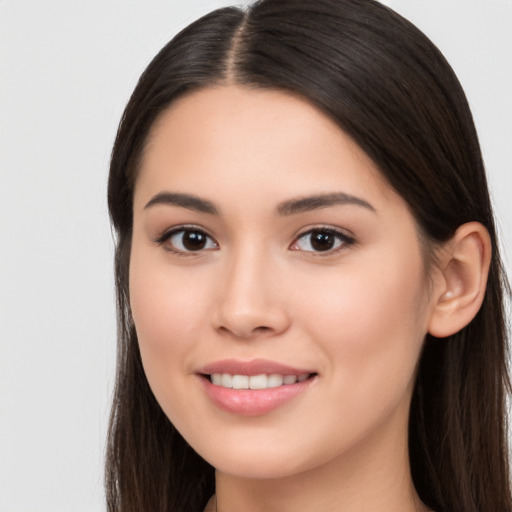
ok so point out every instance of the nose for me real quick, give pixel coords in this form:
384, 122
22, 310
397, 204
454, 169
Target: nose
250, 304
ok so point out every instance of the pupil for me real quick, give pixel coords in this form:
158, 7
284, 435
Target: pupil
322, 241
193, 240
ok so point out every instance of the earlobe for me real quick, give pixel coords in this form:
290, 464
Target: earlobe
464, 265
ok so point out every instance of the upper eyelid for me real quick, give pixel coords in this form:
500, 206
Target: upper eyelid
319, 227
166, 233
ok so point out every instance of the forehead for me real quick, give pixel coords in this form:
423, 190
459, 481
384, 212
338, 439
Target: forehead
254, 139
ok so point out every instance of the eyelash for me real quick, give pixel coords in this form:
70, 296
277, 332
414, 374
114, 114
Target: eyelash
343, 240
167, 235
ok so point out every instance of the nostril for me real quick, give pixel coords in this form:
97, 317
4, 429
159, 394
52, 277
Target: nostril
241, 332
249, 322
262, 329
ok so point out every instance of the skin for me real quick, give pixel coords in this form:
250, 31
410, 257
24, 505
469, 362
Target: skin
356, 315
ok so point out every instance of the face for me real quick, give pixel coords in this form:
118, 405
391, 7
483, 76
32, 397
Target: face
277, 284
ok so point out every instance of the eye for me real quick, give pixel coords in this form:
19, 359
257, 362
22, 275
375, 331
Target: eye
321, 240
187, 240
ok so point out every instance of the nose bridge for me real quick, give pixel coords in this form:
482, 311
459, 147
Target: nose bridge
249, 302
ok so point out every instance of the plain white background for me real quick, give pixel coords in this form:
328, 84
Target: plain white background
67, 68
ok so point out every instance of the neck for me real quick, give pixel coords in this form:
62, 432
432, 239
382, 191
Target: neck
372, 477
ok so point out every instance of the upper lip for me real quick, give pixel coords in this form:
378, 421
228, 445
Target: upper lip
253, 367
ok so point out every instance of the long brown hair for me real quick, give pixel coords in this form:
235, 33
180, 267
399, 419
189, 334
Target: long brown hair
388, 86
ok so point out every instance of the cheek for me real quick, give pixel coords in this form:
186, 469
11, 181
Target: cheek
154, 310
167, 313
370, 321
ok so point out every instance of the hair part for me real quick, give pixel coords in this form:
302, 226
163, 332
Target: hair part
389, 88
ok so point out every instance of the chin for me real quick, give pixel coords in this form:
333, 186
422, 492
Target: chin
258, 469
263, 458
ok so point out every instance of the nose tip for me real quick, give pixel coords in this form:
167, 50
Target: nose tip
250, 306
249, 325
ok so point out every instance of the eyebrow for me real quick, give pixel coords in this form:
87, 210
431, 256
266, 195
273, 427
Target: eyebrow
316, 202
290, 207
187, 201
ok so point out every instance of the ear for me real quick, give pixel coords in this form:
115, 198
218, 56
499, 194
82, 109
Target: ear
460, 286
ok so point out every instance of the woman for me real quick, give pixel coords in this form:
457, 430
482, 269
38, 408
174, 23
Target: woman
310, 293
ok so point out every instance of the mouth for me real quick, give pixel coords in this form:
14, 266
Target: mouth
260, 381
254, 388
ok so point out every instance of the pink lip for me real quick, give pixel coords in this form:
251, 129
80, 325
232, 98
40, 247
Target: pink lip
253, 367
252, 402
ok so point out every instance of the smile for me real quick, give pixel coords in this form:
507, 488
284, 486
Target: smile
262, 381
254, 388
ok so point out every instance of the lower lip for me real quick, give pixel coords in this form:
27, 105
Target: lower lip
253, 402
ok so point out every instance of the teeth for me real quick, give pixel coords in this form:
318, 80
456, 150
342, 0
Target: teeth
262, 381
240, 382
290, 379
226, 380
275, 380
258, 381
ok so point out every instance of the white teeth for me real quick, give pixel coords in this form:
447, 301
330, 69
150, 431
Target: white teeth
240, 382
261, 381
226, 380
258, 381
289, 379
275, 380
